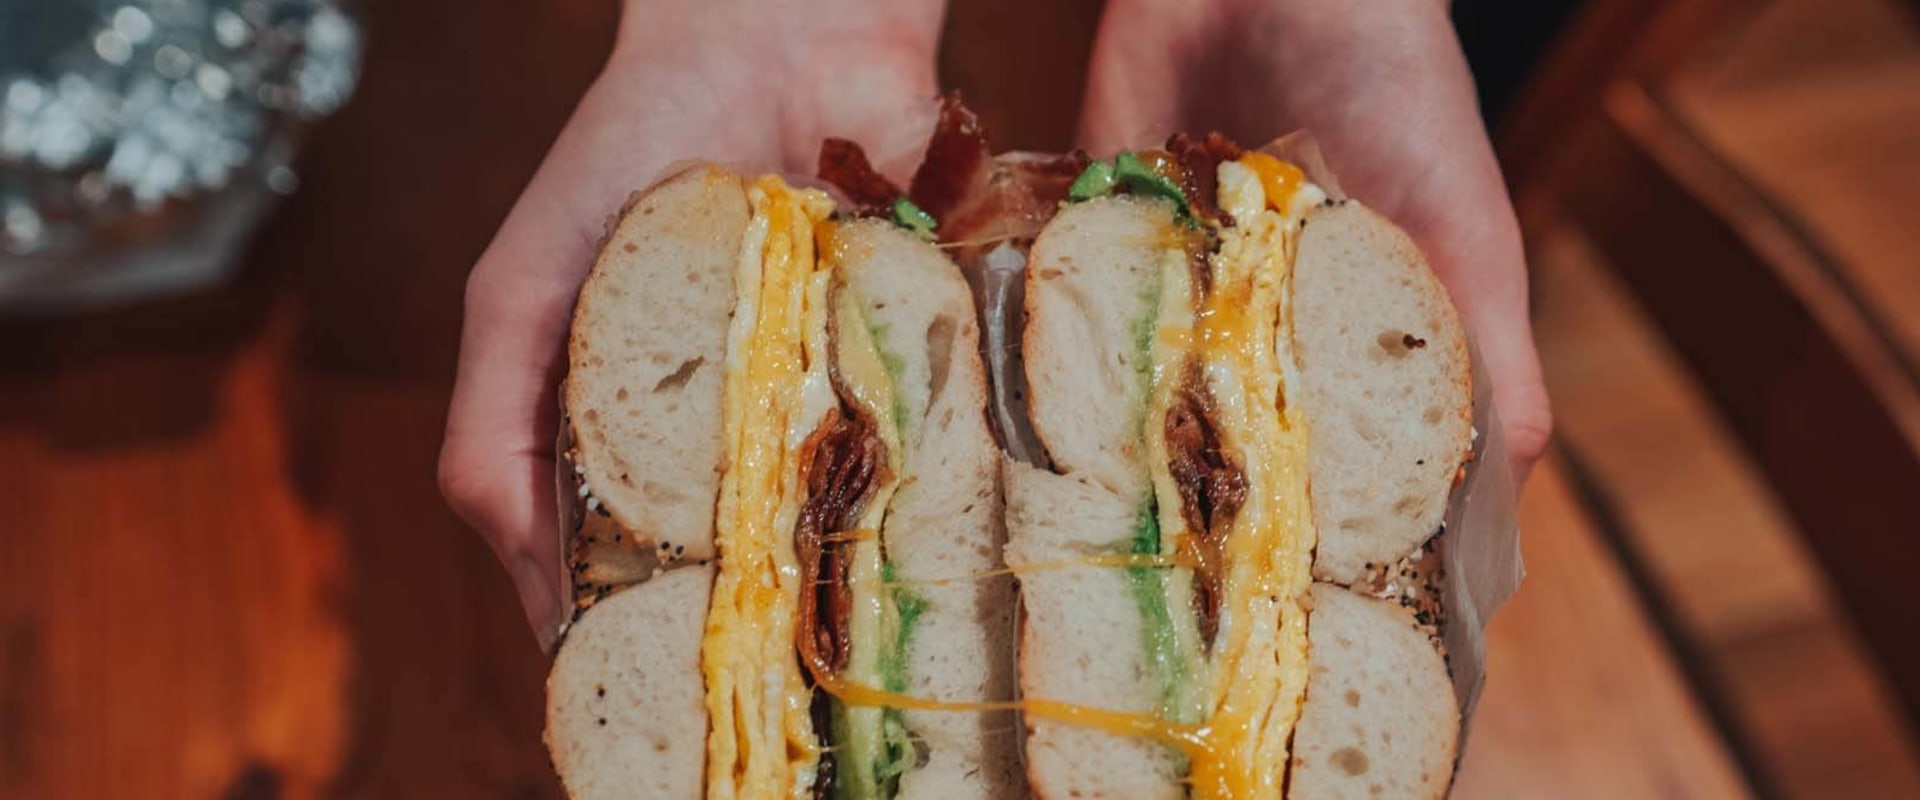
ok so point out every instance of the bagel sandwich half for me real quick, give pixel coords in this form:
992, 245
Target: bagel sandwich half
1253, 402
777, 456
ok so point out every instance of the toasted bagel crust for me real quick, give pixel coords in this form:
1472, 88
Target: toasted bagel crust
1380, 718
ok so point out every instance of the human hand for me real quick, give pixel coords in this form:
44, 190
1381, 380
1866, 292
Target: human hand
730, 80
1384, 88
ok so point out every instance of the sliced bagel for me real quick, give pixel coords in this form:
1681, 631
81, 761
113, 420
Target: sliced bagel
1162, 402
945, 520
642, 397
1081, 639
1380, 718
1379, 710
624, 698
1387, 386
1093, 285
1093, 282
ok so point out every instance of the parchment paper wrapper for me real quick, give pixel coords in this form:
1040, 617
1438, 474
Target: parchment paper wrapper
1481, 551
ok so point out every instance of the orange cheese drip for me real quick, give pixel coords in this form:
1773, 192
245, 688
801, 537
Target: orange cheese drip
1278, 179
1224, 326
1239, 749
1192, 740
761, 742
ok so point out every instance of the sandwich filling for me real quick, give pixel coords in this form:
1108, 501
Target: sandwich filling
811, 431
804, 650
1225, 626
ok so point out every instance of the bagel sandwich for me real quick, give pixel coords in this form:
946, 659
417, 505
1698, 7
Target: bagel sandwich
1170, 530
1253, 401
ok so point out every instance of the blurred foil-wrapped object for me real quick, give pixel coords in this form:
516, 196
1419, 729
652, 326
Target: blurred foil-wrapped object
141, 141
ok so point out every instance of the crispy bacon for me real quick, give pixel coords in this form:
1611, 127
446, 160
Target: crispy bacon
1199, 165
978, 197
956, 155
1212, 489
1016, 196
842, 462
844, 164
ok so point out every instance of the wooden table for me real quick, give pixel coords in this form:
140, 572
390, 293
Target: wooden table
225, 570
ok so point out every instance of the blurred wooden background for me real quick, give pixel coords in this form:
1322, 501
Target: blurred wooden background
225, 571
1718, 198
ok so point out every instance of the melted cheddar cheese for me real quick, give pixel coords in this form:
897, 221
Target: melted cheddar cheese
1233, 724
792, 319
1260, 661
1254, 680
761, 742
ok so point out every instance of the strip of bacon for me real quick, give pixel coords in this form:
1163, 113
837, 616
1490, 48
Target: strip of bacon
1212, 489
957, 154
1200, 163
987, 211
978, 197
844, 164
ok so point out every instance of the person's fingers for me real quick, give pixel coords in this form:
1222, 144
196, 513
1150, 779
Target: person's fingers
789, 76
1526, 415
496, 465
497, 460
1474, 246
1132, 92
1406, 136
510, 501
890, 113
1386, 92
1144, 56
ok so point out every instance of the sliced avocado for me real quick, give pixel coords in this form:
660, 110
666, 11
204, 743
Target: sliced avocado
1141, 179
900, 754
913, 218
859, 748
908, 605
1095, 181
1100, 178
872, 746
1156, 617
1173, 660
895, 367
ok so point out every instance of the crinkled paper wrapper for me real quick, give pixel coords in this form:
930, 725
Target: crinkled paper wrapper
1481, 549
